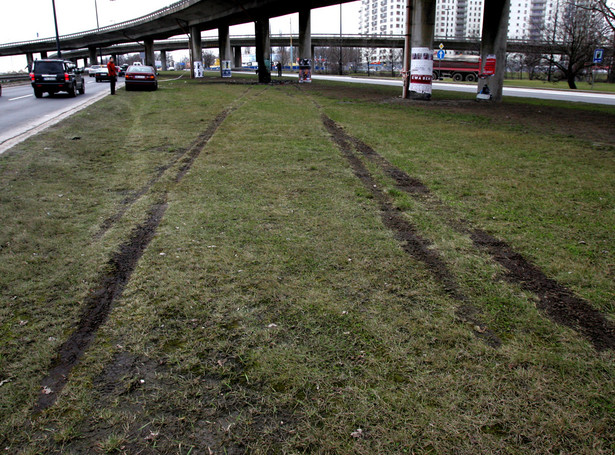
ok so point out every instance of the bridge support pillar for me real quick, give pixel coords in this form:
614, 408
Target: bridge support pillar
150, 58
93, 58
306, 51
422, 31
495, 30
163, 60
224, 45
237, 62
196, 48
263, 50
30, 60
43, 54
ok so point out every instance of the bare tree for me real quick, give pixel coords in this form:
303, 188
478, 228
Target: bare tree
608, 13
283, 54
208, 59
579, 30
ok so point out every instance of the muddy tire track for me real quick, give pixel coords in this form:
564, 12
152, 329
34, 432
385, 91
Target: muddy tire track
187, 156
412, 243
559, 303
98, 306
116, 274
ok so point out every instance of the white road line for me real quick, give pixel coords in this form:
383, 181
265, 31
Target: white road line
20, 97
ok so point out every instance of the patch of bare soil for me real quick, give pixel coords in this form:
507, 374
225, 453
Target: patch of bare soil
556, 301
415, 245
594, 127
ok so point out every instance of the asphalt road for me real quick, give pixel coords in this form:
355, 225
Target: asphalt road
545, 94
21, 114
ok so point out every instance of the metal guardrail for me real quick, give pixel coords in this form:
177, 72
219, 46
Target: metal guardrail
14, 77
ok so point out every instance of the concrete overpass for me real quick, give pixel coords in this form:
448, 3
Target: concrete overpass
351, 41
190, 17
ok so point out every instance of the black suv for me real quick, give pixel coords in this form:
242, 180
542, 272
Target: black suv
53, 76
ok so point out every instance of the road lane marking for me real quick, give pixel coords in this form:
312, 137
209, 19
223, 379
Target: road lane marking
20, 97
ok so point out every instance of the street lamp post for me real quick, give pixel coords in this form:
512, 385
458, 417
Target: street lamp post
98, 28
341, 62
55, 20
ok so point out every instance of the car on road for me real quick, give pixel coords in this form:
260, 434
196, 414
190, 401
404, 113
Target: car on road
52, 76
102, 74
92, 70
140, 76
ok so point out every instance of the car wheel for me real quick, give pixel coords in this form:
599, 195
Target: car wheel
128, 87
38, 93
82, 89
457, 77
73, 91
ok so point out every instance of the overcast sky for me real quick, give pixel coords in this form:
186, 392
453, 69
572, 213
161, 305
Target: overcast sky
23, 20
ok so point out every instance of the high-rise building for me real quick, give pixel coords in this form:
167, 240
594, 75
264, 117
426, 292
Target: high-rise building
459, 18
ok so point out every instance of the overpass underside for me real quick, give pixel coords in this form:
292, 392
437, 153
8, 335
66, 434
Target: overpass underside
191, 17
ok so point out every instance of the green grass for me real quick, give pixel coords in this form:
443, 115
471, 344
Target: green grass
273, 312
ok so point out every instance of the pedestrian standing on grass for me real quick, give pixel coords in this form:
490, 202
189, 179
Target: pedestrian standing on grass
112, 70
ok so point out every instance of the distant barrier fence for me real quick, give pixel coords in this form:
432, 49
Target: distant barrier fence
5, 78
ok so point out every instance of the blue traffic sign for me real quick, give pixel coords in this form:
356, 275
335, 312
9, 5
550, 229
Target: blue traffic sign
440, 54
598, 55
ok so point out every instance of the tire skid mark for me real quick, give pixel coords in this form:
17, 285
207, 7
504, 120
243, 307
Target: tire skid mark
188, 155
113, 279
98, 306
411, 241
559, 303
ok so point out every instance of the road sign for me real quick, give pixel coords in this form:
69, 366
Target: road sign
440, 54
441, 46
598, 55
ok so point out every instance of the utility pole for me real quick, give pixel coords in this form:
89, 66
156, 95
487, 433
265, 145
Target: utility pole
407, 49
341, 63
55, 20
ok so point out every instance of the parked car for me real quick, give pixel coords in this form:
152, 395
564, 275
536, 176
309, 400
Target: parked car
139, 76
52, 76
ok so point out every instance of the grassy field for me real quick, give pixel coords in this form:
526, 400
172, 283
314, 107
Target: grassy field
238, 268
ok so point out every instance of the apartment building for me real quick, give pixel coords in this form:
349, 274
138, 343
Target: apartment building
458, 18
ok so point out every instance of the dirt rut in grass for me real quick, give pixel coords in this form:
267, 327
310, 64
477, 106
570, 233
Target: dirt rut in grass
412, 242
117, 272
556, 301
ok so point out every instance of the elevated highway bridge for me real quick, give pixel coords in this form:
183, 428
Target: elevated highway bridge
328, 40
191, 17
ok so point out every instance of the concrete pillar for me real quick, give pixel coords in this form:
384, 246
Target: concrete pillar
93, 58
30, 60
305, 35
495, 31
421, 40
263, 50
150, 58
196, 48
224, 45
44, 54
237, 62
163, 59
85, 62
